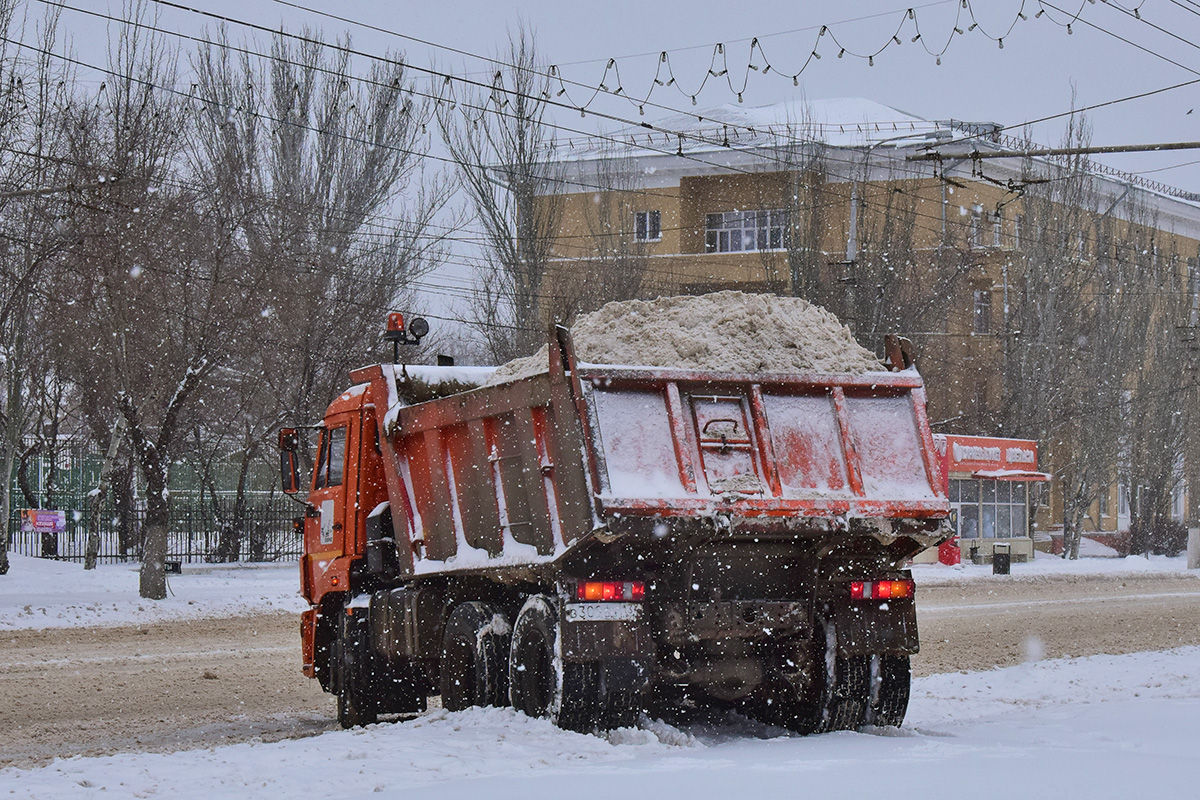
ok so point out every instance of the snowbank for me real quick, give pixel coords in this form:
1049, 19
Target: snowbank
1045, 565
39, 593
1101, 727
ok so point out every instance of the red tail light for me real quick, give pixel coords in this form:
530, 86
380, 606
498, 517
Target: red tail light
881, 590
602, 591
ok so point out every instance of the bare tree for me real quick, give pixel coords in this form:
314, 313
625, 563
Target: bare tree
318, 171
507, 169
33, 200
1069, 318
162, 294
1157, 408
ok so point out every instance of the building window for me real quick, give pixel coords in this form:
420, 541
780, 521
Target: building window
997, 229
1193, 267
982, 316
738, 231
975, 232
990, 509
1018, 224
647, 226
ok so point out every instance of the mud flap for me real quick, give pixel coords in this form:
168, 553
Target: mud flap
867, 628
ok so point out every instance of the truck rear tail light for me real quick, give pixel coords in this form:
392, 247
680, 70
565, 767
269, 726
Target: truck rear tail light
601, 591
881, 590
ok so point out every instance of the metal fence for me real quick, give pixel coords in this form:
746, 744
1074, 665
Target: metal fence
194, 532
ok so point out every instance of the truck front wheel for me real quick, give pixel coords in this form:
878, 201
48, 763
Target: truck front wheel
474, 658
356, 702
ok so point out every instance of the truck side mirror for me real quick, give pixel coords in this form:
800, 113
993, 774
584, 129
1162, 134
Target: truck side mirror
289, 470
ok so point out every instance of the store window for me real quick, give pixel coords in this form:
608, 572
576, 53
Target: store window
738, 231
990, 509
647, 226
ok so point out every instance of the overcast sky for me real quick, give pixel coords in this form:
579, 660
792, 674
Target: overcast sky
1031, 77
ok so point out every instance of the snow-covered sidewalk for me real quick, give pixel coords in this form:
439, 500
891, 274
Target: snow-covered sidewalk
39, 593
1045, 565
1100, 727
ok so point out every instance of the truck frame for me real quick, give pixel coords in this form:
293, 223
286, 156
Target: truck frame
595, 542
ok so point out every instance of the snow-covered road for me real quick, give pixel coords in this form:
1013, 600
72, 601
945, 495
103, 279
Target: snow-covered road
1099, 727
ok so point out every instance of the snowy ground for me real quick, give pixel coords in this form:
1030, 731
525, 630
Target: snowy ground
1100, 727
1045, 565
38, 593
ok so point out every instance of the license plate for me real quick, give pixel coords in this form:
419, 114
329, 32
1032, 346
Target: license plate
603, 612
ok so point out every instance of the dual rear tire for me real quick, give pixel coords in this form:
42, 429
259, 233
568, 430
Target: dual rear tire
848, 692
475, 648
533, 677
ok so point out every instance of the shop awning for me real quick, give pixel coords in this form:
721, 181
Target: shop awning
1011, 475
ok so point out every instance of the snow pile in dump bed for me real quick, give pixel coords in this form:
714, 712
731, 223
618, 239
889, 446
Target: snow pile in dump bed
721, 332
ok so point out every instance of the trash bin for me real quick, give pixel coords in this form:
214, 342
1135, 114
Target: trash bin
1001, 558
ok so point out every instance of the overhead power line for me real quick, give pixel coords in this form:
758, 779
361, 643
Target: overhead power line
939, 155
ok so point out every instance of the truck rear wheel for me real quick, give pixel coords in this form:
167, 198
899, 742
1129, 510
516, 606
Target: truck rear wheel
475, 649
845, 701
356, 701
838, 695
891, 681
540, 684
534, 667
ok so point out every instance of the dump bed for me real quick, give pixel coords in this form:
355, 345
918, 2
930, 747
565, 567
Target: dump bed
516, 474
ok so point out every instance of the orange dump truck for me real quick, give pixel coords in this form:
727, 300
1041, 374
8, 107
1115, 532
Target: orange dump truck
594, 541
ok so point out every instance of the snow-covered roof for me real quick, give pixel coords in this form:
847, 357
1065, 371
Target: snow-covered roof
736, 136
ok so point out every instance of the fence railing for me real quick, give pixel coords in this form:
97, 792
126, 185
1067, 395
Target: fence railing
193, 535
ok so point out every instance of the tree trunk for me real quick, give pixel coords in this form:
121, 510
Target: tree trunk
235, 526
7, 459
123, 508
1075, 509
96, 499
152, 582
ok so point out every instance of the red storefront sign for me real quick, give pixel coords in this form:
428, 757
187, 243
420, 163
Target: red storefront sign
989, 457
